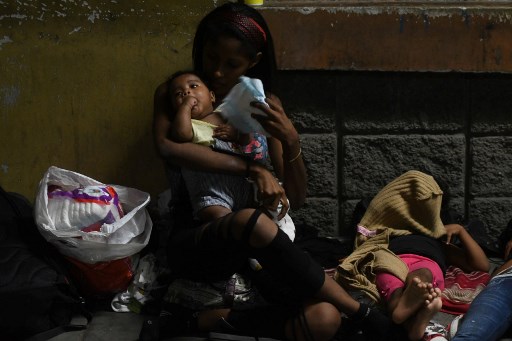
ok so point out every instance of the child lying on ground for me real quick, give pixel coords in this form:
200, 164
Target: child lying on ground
403, 221
415, 301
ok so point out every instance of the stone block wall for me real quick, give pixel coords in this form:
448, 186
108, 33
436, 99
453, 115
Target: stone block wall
360, 130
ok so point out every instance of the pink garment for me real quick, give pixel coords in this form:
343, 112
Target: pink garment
387, 283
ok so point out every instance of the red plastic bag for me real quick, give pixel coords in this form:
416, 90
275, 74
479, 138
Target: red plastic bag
101, 279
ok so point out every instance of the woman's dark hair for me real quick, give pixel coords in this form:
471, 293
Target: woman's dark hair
224, 21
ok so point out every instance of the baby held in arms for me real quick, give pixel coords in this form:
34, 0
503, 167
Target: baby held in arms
214, 195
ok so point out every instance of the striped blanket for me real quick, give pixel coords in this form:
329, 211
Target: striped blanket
461, 288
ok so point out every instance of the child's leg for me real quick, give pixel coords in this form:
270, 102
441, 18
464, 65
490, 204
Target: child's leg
424, 275
211, 213
418, 323
416, 293
390, 288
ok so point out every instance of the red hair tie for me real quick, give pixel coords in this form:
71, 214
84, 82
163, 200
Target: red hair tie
259, 28
247, 26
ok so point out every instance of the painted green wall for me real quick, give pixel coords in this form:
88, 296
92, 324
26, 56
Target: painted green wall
76, 86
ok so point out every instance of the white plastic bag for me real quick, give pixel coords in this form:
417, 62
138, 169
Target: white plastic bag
122, 238
236, 107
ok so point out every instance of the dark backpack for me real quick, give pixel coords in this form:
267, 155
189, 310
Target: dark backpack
37, 299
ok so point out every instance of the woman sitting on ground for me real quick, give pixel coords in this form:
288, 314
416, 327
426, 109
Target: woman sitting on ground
231, 41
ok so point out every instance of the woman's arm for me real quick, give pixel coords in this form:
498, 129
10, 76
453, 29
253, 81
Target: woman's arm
285, 150
470, 257
202, 158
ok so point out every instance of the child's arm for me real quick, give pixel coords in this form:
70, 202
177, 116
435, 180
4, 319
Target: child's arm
470, 257
227, 132
181, 128
244, 139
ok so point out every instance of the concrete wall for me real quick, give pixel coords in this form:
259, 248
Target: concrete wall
362, 129
76, 88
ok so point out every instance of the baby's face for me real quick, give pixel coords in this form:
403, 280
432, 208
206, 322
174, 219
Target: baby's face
188, 89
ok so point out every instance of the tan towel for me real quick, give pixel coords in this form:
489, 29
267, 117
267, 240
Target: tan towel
409, 204
359, 269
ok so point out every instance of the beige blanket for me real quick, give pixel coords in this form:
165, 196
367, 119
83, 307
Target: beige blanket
409, 204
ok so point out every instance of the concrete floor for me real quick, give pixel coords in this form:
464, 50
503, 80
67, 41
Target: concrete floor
112, 326
106, 326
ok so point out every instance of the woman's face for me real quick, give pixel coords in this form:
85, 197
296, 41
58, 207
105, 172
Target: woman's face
224, 61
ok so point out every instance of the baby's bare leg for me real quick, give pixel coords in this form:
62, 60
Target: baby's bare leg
416, 293
211, 213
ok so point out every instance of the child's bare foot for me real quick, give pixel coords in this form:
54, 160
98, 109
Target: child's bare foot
417, 325
433, 293
416, 294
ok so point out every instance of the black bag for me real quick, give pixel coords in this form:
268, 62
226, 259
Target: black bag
37, 299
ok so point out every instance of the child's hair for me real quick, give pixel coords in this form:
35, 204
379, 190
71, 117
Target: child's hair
183, 72
246, 24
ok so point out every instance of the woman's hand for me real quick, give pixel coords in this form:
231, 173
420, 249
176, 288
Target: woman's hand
270, 192
276, 123
284, 149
